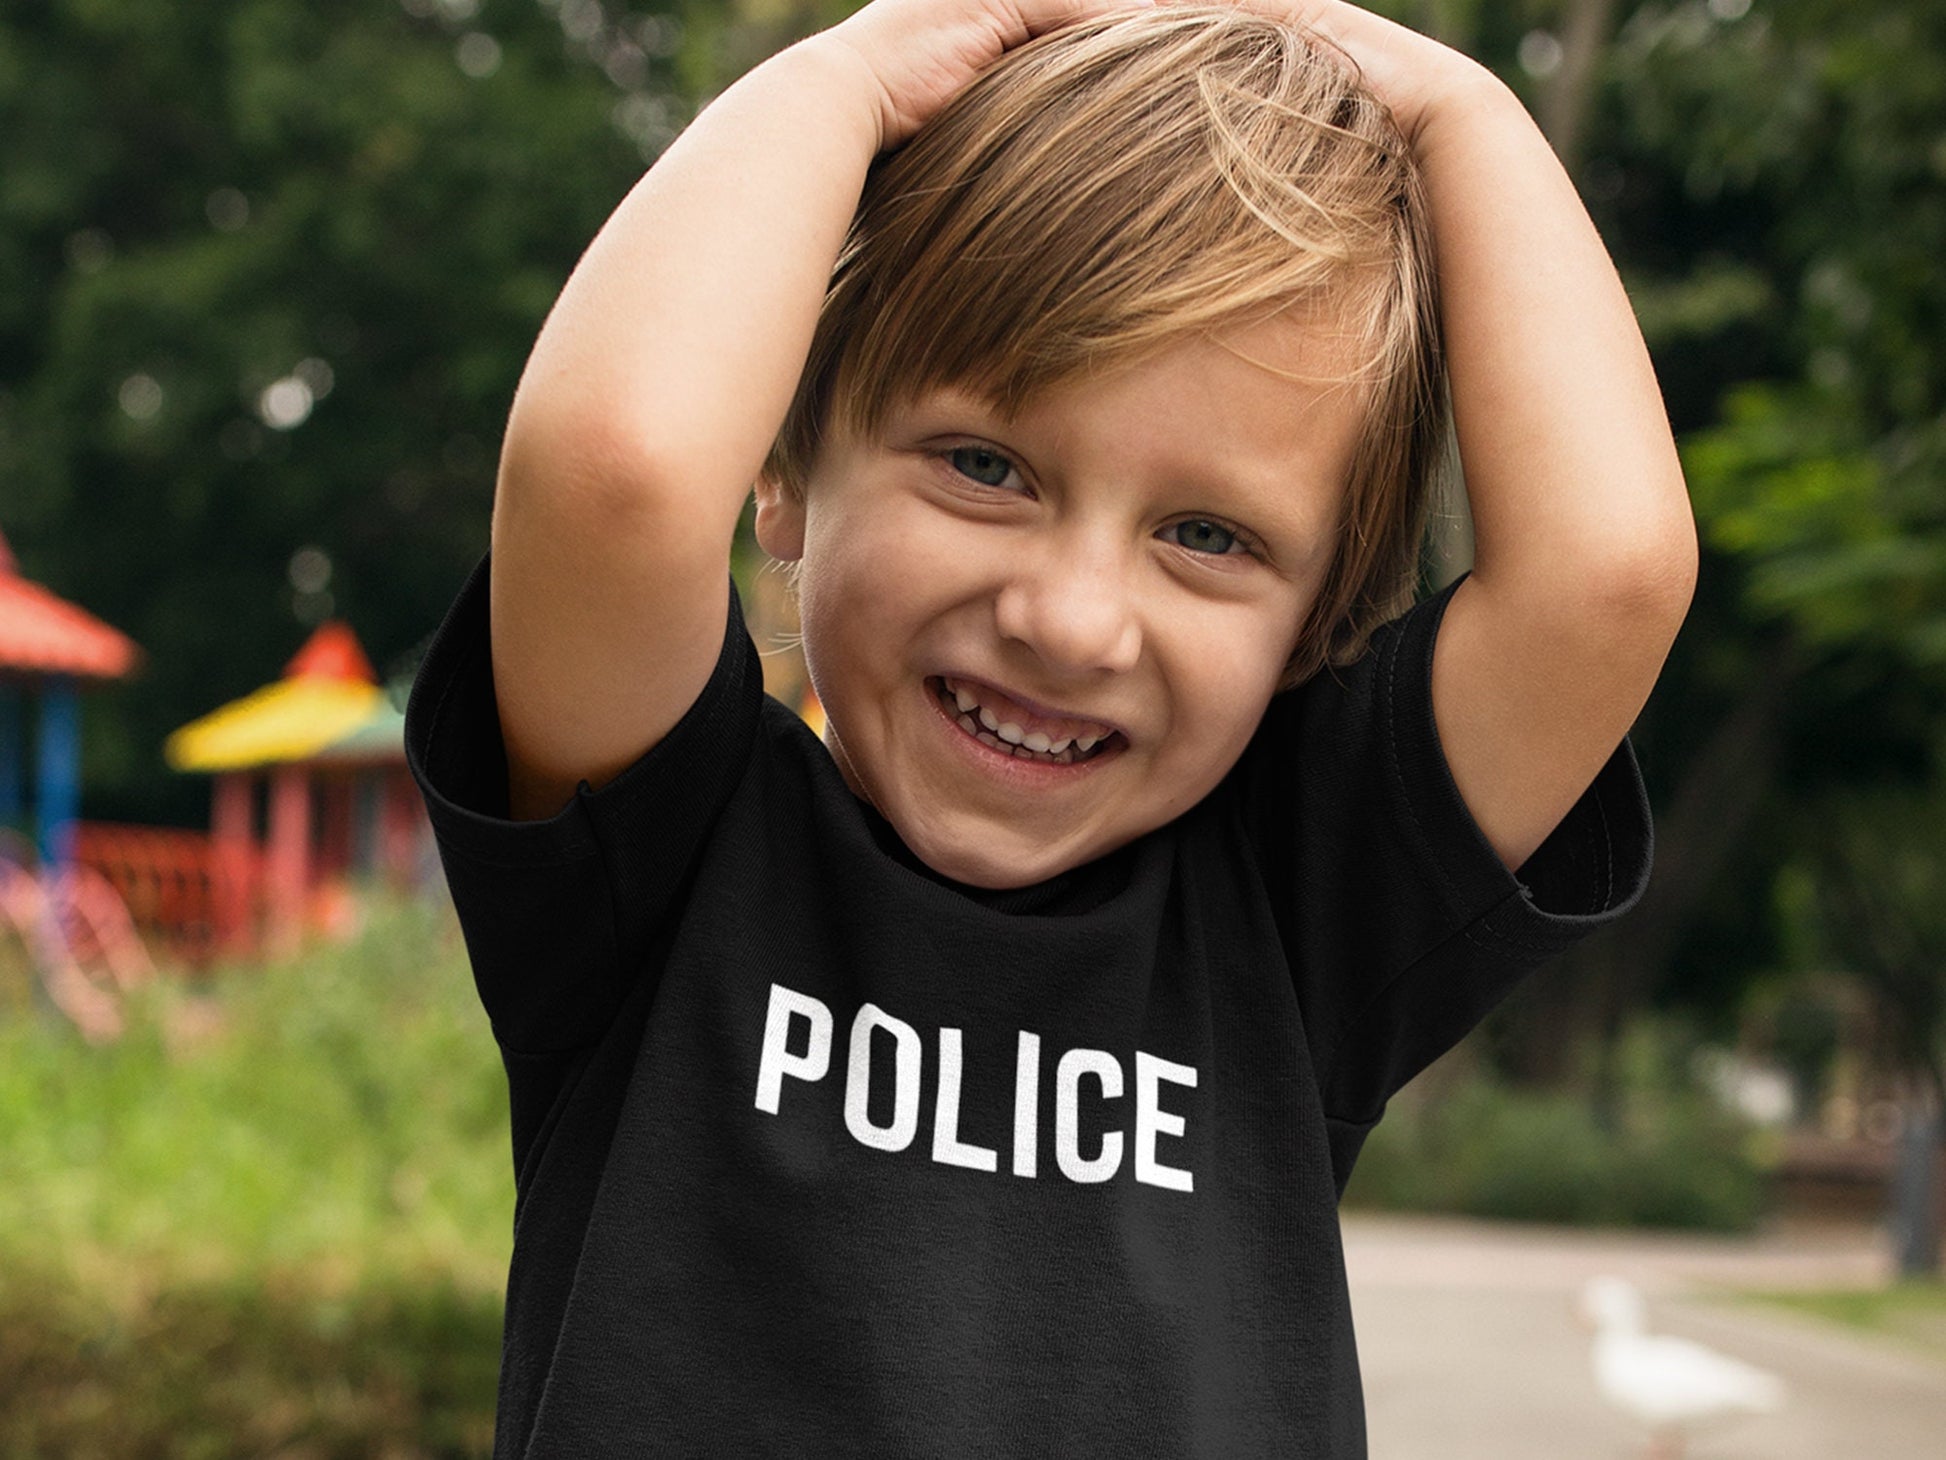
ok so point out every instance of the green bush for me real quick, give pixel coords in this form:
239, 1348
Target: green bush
274, 1217
346, 1108
253, 1365
1471, 1145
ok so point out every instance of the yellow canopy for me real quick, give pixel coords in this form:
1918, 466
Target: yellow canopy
290, 720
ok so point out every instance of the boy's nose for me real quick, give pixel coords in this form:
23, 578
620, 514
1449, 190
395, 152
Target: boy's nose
1075, 612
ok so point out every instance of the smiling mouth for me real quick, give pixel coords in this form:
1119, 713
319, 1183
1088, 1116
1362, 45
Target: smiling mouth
1063, 746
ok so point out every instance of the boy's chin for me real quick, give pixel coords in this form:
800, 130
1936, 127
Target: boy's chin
997, 863
975, 849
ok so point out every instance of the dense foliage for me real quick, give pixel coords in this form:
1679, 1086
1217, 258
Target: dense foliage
1771, 178
267, 275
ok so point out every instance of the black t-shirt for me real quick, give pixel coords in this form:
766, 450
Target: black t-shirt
818, 1153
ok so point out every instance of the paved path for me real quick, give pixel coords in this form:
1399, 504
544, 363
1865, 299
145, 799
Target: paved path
1470, 1348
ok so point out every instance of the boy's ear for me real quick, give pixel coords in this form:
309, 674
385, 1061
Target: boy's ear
780, 520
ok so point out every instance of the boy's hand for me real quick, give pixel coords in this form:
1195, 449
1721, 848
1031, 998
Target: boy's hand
1413, 74
922, 53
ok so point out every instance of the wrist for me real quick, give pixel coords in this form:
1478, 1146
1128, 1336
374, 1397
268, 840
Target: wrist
837, 69
1471, 106
1423, 81
1434, 86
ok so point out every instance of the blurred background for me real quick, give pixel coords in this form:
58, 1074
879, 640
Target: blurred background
268, 273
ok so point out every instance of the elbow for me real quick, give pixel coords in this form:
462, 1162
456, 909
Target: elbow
1654, 577
1617, 584
1635, 594
562, 452
581, 471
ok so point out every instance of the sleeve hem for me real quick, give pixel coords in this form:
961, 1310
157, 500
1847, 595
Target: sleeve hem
454, 749
1589, 871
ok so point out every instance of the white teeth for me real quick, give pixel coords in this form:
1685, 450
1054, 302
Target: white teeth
973, 716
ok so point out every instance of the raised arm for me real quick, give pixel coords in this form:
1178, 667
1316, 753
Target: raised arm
1585, 549
665, 369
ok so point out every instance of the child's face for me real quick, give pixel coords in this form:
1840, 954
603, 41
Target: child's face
1121, 569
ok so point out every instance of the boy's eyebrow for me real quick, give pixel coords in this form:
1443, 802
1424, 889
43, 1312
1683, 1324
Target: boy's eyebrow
950, 398
1281, 508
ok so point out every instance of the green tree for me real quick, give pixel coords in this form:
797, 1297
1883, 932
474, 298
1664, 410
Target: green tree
268, 273
1770, 178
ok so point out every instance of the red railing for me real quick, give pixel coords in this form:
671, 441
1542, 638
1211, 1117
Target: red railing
189, 897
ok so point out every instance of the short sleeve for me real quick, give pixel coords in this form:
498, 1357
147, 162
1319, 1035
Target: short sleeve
562, 917
1402, 926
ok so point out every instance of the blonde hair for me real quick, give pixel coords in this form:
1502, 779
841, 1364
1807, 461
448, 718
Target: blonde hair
1116, 186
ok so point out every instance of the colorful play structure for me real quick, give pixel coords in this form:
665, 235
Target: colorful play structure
315, 759
76, 932
322, 751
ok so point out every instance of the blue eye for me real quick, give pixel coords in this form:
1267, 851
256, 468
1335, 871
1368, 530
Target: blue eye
1201, 536
988, 468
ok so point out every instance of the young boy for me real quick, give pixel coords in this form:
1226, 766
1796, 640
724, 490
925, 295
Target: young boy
982, 1080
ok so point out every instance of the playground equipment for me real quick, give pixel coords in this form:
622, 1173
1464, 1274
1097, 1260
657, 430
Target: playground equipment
47, 647
76, 932
326, 750
183, 892
321, 752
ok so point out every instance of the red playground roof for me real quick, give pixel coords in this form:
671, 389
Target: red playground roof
333, 652
41, 633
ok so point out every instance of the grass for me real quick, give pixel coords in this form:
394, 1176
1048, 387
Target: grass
1912, 1312
258, 1365
273, 1219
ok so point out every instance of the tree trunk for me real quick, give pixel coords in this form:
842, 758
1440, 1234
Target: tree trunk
1919, 1191
1564, 105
